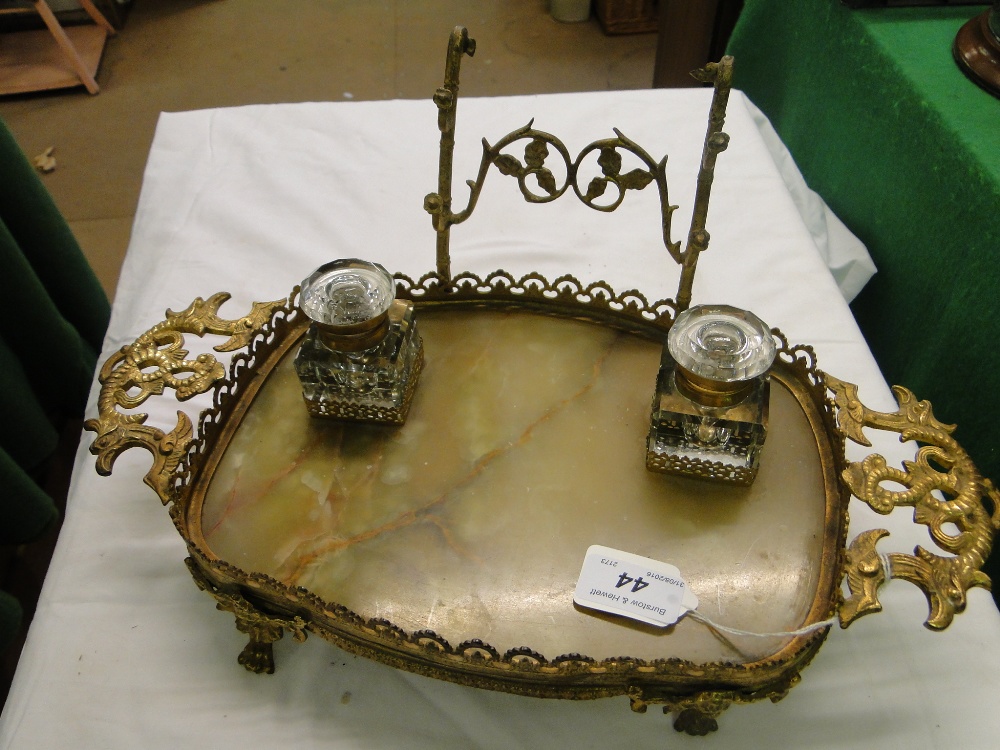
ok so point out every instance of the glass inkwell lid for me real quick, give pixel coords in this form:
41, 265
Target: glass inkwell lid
350, 300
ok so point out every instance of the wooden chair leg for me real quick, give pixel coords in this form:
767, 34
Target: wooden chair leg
97, 16
66, 45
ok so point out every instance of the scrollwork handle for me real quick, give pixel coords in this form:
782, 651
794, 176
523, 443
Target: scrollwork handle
945, 490
155, 361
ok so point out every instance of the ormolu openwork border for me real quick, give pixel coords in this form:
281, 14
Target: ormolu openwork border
264, 608
629, 311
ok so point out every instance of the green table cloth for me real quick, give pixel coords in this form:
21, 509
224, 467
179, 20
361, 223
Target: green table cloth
906, 150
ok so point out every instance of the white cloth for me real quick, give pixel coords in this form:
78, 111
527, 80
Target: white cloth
844, 254
125, 652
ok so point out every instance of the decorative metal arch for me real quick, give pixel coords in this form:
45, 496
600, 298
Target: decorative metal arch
539, 147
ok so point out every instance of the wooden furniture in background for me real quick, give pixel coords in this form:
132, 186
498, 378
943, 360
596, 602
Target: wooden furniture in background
29, 63
692, 33
627, 16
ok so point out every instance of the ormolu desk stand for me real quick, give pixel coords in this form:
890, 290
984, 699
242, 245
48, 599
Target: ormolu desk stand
692, 671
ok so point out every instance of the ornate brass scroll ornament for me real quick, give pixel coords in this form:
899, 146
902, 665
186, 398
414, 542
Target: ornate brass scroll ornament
546, 188
942, 485
155, 361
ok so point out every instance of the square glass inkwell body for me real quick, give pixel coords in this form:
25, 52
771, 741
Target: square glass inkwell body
362, 355
710, 408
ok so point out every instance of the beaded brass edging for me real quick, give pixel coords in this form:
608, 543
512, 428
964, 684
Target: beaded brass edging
264, 608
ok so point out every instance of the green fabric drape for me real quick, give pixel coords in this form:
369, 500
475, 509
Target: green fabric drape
57, 360
49, 246
54, 322
20, 406
10, 616
26, 510
906, 151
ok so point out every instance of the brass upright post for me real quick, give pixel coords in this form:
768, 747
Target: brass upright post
438, 204
716, 141
446, 98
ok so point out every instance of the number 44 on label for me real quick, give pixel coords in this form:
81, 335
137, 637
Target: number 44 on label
640, 588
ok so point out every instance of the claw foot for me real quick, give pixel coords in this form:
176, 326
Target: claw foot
695, 722
699, 714
258, 657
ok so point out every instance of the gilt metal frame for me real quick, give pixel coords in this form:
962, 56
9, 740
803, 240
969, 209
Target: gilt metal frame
264, 609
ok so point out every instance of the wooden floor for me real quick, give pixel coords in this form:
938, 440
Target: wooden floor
177, 55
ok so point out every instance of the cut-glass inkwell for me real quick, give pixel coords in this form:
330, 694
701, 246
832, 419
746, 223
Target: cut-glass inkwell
710, 408
362, 355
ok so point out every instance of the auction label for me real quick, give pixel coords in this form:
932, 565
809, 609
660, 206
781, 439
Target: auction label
632, 586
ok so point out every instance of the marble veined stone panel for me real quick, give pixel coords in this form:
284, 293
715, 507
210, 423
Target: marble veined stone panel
525, 444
